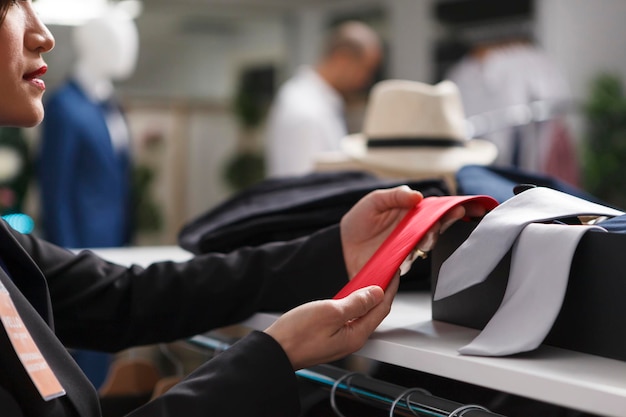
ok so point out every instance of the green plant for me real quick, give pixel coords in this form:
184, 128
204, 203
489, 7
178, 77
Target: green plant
244, 169
247, 165
248, 107
14, 185
604, 156
147, 214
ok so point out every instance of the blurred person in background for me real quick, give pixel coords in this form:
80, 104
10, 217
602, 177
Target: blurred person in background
307, 116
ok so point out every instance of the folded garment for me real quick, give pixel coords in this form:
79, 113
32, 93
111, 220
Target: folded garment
500, 182
287, 208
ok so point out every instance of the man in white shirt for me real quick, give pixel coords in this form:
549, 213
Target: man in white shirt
307, 116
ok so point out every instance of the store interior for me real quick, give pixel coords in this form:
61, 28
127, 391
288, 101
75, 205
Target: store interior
194, 56
207, 71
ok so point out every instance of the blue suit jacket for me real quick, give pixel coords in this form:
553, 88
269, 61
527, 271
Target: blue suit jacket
85, 184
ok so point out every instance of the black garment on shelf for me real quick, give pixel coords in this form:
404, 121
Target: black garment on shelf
286, 208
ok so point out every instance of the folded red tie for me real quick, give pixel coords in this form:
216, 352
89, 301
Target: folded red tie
382, 266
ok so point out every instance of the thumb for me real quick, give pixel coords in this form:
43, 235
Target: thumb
400, 197
360, 302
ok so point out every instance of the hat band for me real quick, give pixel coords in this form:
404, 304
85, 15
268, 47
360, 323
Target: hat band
413, 142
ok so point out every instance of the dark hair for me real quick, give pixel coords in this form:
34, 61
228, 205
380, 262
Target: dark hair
4, 6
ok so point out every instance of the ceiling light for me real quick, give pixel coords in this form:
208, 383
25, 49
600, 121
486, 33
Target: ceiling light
77, 12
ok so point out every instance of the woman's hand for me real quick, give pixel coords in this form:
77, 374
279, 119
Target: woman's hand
366, 226
370, 221
327, 330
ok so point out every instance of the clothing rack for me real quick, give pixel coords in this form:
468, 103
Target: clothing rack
371, 391
384, 395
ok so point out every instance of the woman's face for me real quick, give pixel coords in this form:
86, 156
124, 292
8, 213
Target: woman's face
23, 38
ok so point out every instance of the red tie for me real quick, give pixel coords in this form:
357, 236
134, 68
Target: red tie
382, 266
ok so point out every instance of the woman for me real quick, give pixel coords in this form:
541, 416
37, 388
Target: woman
51, 299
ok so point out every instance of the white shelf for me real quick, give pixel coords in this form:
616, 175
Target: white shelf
142, 255
409, 338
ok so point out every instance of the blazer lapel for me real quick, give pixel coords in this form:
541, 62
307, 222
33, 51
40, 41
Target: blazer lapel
25, 274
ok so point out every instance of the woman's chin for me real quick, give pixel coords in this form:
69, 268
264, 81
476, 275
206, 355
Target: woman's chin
23, 124
34, 123
31, 120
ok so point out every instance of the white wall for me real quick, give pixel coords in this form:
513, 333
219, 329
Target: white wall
198, 56
584, 37
411, 35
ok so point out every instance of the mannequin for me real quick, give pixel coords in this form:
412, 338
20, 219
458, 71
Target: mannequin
85, 165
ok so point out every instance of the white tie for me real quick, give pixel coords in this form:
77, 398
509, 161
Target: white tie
540, 267
473, 260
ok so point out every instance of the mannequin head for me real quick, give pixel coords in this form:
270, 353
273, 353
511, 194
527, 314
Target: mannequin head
107, 47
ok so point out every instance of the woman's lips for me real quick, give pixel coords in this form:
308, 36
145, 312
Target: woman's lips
32, 77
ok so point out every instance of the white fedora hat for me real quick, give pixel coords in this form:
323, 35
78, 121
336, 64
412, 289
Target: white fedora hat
416, 128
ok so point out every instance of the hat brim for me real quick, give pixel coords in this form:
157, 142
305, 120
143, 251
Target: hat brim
422, 159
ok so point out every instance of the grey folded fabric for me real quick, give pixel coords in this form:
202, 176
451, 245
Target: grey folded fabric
494, 236
542, 253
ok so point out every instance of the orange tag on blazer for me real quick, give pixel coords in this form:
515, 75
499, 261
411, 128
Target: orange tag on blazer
27, 351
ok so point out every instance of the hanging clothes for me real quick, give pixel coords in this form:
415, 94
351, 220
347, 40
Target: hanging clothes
561, 159
514, 74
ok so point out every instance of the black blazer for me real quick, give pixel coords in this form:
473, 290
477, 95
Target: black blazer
82, 301
278, 209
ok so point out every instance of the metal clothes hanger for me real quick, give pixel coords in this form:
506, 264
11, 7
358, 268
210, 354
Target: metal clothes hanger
406, 394
333, 392
460, 412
